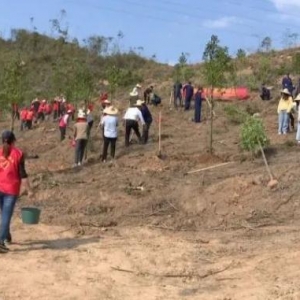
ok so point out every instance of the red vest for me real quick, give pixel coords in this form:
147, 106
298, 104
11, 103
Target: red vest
24, 114
10, 181
30, 115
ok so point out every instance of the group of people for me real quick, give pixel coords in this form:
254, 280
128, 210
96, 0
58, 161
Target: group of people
41, 110
137, 114
288, 104
183, 96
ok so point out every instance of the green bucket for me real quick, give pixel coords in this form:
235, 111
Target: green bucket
30, 215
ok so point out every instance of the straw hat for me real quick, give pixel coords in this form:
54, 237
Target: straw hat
138, 86
139, 102
297, 98
81, 115
106, 101
286, 92
112, 111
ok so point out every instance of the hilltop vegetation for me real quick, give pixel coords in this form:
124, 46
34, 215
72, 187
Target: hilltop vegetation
54, 65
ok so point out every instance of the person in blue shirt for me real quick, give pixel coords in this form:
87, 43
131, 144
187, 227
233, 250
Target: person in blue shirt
147, 118
198, 104
287, 83
189, 93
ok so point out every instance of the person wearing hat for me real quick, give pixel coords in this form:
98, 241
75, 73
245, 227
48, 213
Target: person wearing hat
109, 124
63, 124
147, 118
12, 176
81, 128
105, 103
284, 109
287, 83
132, 116
135, 94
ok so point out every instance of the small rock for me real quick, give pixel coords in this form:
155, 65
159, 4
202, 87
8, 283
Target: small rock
272, 183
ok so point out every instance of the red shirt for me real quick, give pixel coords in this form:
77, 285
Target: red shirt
48, 108
10, 179
55, 106
29, 115
24, 114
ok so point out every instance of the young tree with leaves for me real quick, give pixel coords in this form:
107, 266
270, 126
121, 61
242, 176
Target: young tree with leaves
253, 138
216, 63
13, 86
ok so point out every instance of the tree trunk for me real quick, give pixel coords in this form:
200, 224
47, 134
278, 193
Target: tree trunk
12, 125
211, 121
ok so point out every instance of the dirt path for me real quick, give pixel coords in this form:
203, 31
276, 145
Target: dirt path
49, 262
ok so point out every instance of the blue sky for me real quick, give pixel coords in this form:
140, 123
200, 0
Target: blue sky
162, 27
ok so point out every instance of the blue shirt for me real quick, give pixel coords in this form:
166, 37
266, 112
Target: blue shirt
146, 114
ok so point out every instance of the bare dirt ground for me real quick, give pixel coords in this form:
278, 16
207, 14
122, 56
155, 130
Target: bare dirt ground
220, 234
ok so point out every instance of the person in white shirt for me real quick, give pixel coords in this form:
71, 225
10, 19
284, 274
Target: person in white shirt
109, 123
132, 118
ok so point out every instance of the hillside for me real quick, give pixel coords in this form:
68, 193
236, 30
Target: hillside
50, 63
142, 228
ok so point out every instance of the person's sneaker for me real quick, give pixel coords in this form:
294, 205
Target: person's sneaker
8, 239
3, 248
79, 164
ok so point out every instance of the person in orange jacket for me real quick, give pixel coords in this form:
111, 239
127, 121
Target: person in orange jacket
23, 117
29, 118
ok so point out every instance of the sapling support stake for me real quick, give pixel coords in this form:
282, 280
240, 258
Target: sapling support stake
265, 161
159, 135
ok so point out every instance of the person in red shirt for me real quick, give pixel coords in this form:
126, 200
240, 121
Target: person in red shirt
29, 118
23, 116
42, 110
55, 109
12, 175
48, 110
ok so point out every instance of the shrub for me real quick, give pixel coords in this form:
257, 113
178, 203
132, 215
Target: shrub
234, 114
253, 135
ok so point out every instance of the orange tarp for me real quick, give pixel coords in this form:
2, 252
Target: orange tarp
228, 94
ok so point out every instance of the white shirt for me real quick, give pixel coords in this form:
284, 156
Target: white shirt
110, 124
133, 113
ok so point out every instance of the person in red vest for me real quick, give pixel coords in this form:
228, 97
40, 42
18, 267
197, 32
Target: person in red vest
12, 175
29, 118
103, 96
23, 116
55, 109
71, 107
48, 110
63, 124
42, 110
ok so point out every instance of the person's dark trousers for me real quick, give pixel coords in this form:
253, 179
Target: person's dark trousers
16, 115
23, 125
55, 115
145, 135
29, 124
198, 105
131, 124
7, 205
41, 116
90, 125
187, 103
63, 131
177, 101
79, 150
112, 142
292, 121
